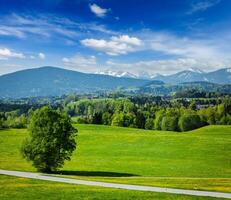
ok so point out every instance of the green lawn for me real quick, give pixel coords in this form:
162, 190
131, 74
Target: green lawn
199, 159
27, 189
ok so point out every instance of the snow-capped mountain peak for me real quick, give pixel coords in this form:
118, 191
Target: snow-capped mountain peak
125, 74
228, 70
197, 70
189, 75
117, 73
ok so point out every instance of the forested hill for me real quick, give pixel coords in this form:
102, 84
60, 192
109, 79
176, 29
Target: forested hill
52, 81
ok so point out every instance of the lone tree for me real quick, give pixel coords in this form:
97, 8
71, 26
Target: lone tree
51, 141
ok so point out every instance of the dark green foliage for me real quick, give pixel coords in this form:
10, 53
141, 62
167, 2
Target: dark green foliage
1, 123
158, 119
129, 120
169, 123
156, 113
149, 124
13, 119
106, 118
118, 119
80, 120
140, 119
97, 118
189, 122
51, 141
140, 111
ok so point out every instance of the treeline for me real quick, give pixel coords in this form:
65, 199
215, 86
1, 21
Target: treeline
154, 113
13, 119
170, 117
195, 93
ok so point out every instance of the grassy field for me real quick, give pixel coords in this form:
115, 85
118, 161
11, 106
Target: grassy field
199, 159
27, 189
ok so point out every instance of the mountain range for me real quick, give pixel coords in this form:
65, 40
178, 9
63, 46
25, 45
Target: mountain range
221, 76
53, 81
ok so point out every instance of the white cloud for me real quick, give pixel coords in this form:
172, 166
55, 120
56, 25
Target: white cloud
202, 5
186, 47
115, 46
42, 56
179, 53
98, 11
22, 26
7, 53
81, 63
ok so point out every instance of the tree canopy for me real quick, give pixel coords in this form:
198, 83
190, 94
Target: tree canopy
51, 139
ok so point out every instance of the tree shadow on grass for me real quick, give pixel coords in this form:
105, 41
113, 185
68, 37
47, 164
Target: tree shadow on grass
94, 173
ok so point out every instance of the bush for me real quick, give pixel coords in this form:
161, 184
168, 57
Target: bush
158, 120
149, 124
79, 120
169, 123
189, 122
106, 118
51, 141
117, 119
129, 120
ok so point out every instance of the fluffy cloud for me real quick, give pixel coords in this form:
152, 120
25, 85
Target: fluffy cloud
42, 56
98, 11
81, 63
7, 53
179, 53
184, 47
115, 46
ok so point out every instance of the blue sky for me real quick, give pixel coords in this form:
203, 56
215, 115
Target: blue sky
138, 36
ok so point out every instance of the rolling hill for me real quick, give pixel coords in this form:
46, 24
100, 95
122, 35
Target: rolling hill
196, 159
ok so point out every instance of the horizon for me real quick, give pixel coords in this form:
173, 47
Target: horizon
62, 68
92, 36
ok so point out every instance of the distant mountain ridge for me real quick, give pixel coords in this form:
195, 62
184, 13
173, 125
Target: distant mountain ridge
125, 74
221, 76
53, 81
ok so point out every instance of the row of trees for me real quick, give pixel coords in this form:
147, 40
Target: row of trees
13, 119
154, 114
125, 113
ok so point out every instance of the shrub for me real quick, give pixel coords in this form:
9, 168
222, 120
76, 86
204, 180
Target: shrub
169, 123
117, 119
158, 119
149, 124
189, 122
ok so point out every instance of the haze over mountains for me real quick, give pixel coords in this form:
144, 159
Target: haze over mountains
52, 81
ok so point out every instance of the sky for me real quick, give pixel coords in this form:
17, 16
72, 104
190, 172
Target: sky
136, 36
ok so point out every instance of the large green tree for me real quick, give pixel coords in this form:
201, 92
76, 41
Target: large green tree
51, 140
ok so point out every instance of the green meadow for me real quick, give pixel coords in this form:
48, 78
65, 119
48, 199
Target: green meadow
199, 159
27, 189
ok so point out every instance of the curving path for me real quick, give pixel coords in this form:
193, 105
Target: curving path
115, 185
